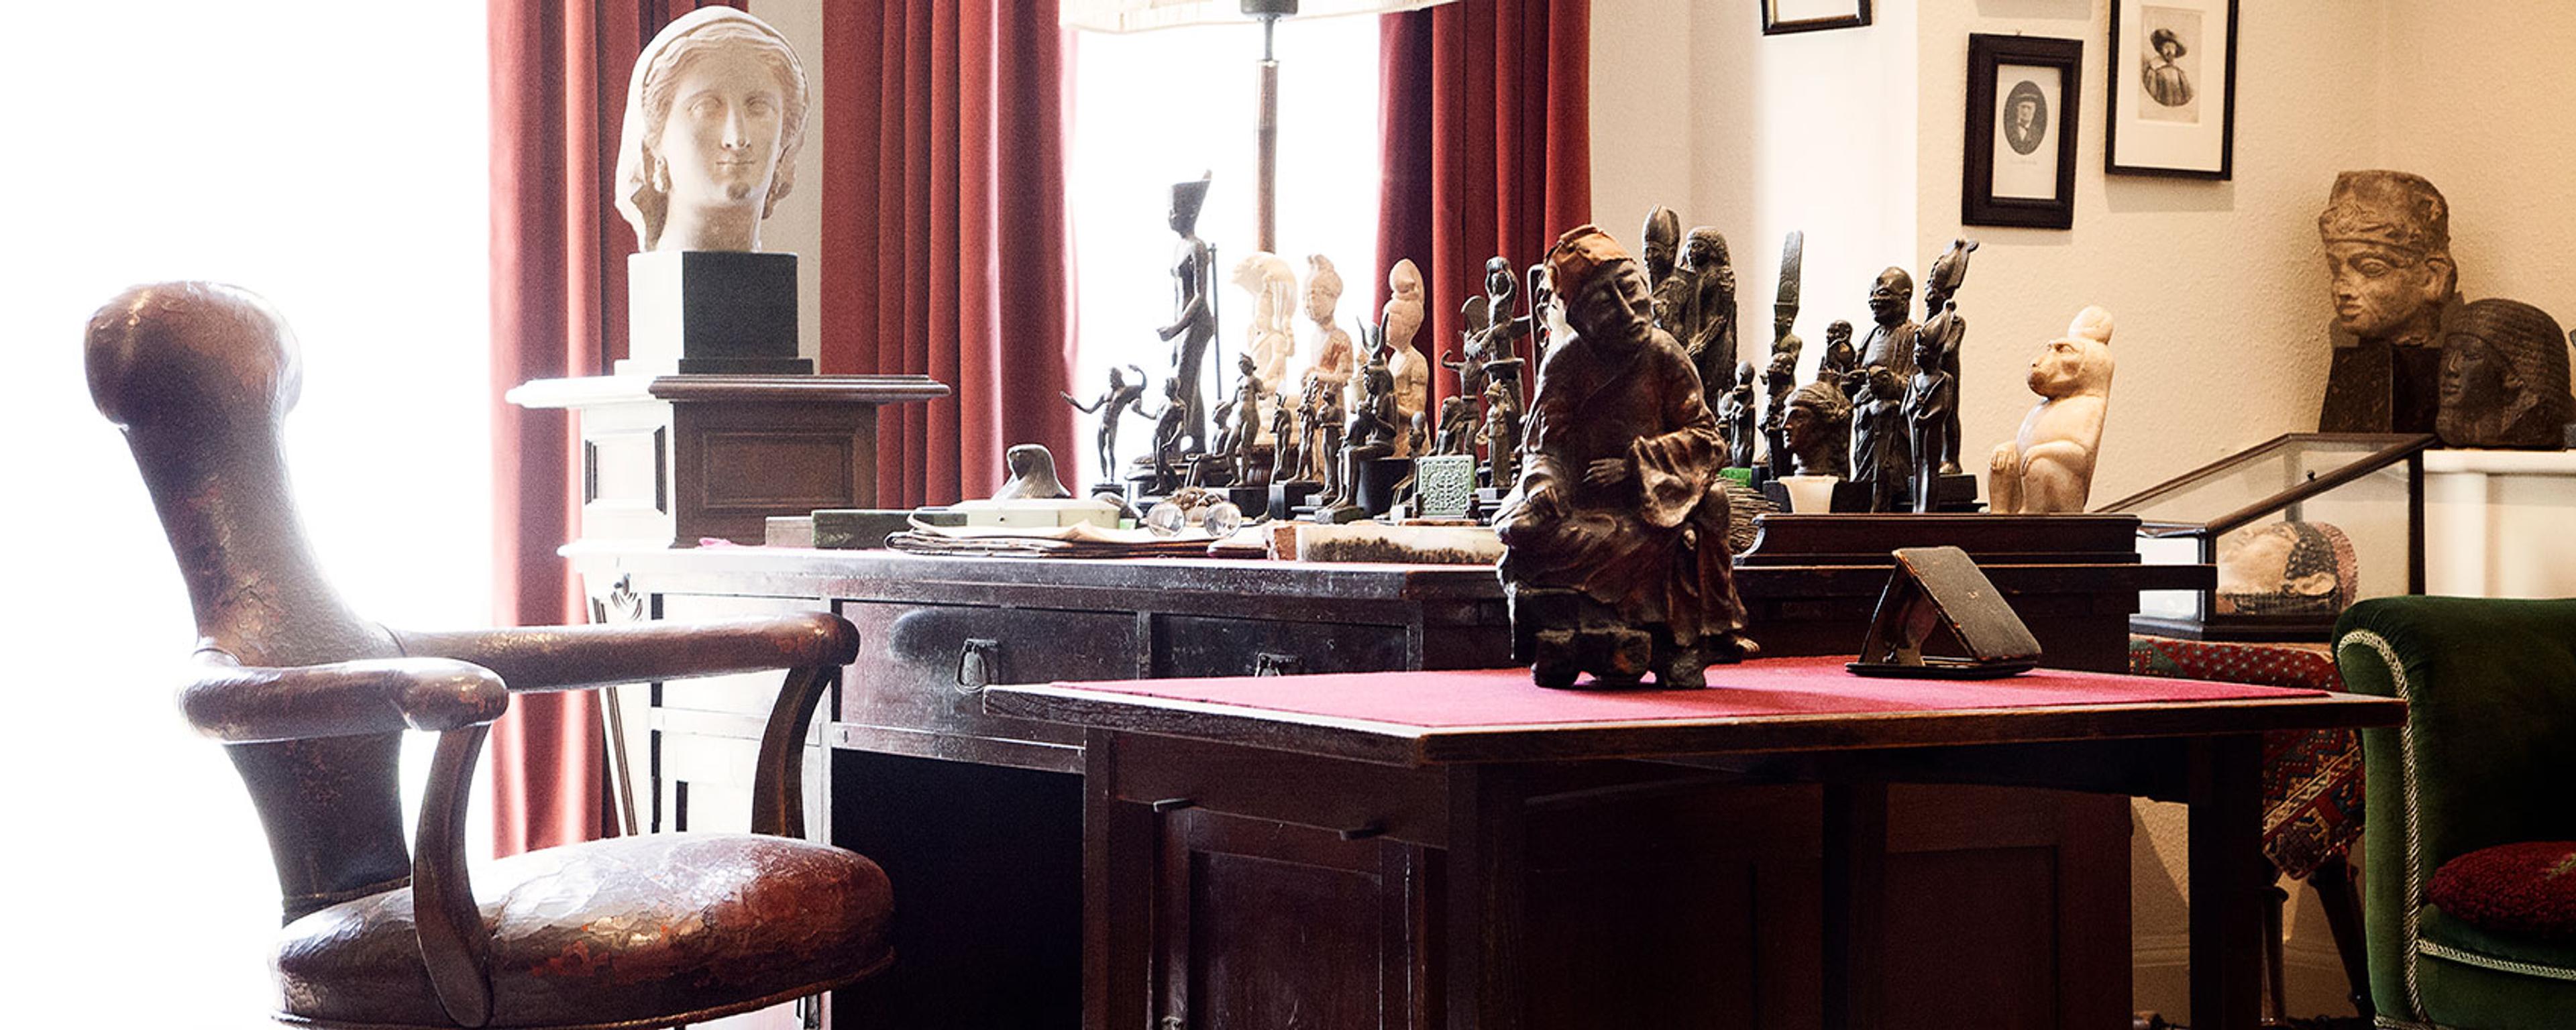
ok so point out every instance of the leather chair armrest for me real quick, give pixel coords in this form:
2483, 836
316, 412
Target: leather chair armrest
580, 657
240, 704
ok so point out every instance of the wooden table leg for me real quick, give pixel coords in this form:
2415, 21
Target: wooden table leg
2226, 828
1855, 890
1487, 898
1117, 895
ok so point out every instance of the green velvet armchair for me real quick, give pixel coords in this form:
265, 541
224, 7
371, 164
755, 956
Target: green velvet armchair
2470, 843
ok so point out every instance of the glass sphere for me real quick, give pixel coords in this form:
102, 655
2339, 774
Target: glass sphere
1166, 519
1222, 519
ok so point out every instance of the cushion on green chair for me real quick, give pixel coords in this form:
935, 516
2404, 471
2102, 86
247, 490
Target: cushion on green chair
2526, 889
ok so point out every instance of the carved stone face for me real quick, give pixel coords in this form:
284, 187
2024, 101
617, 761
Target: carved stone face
2379, 289
2478, 385
1613, 304
2059, 370
719, 144
1890, 295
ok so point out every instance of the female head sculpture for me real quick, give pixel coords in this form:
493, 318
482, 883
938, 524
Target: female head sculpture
2504, 378
713, 162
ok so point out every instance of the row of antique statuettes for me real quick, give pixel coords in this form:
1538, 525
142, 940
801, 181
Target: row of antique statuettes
1876, 413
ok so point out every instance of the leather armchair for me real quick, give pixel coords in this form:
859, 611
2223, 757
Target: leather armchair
2486, 758
311, 702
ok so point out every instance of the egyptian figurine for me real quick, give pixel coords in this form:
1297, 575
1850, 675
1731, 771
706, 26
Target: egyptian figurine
1243, 423
2387, 238
2048, 467
1193, 324
1839, 359
1285, 459
1879, 455
1324, 446
1891, 338
1502, 432
1779, 381
1458, 425
1735, 413
1170, 425
2504, 378
1121, 399
1489, 329
1708, 313
1929, 398
1615, 559
1948, 330
1660, 247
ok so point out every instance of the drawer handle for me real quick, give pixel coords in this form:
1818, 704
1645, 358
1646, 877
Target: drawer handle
975, 660
1271, 663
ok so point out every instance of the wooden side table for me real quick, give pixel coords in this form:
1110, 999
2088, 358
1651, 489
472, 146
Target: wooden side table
669, 460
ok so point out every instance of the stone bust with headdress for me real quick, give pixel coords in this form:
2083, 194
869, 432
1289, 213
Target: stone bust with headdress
715, 116
2504, 378
2387, 238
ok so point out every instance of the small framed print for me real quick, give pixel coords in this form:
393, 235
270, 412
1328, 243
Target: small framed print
2023, 94
2173, 89
1786, 16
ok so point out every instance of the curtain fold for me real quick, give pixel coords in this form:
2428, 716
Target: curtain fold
1486, 116
558, 74
944, 241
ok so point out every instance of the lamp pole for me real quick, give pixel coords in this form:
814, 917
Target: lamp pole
1265, 180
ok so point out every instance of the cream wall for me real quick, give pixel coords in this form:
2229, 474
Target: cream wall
1855, 136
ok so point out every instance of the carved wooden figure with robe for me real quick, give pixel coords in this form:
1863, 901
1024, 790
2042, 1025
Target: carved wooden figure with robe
1614, 535
1879, 455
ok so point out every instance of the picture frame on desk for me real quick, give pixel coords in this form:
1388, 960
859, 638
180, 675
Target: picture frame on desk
2024, 93
2172, 89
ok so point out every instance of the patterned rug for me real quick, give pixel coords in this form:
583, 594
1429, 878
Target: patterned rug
2311, 778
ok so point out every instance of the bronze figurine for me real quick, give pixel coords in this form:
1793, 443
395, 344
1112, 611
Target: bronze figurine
1735, 414
1880, 457
1942, 322
1660, 249
1891, 340
1929, 403
1707, 331
1779, 381
1615, 557
1818, 430
1193, 313
1121, 399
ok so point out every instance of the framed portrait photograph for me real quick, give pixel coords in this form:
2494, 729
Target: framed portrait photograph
2173, 88
2023, 94
1785, 16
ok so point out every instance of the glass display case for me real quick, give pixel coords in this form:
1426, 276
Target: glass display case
2298, 526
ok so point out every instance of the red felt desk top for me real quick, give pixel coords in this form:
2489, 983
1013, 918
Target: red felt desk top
1763, 687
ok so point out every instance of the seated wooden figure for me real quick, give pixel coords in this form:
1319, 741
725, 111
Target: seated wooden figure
2049, 467
1614, 536
311, 701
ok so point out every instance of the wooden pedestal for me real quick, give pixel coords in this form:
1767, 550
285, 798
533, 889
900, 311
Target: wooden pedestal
672, 459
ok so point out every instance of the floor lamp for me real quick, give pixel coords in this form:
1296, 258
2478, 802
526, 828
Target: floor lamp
1143, 15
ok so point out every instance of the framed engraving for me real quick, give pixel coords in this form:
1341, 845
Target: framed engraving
2172, 89
2023, 95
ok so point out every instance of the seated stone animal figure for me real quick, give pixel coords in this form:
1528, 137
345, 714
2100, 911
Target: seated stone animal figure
2049, 466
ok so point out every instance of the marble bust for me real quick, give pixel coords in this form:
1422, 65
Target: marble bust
2048, 468
715, 115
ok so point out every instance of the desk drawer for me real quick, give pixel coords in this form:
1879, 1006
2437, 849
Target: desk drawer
1195, 645
924, 668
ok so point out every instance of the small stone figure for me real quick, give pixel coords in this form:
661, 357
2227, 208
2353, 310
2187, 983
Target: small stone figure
1121, 399
1324, 447
1032, 475
1332, 346
1660, 248
1779, 381
2388, 247
1615, 557
1942, 322
706, 183
1398, 322
1879, 456
2049, 466
2504, 378
1839, 360
1502, 433
1458, 425
1735, 413
1193, 316
1270, 340
1929, 398
1891, 340
1708, 310
1818, 430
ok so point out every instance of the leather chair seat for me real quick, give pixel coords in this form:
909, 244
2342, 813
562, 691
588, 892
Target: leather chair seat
609, 934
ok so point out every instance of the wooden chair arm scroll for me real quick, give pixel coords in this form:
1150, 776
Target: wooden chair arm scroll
240, 704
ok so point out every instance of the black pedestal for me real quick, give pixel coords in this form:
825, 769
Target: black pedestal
712, 312
1286, 498
1378, 477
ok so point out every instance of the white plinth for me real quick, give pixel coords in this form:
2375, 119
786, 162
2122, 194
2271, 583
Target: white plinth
2500, 523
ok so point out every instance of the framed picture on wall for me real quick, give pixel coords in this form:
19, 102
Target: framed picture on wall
2173, 88
2023, 93
1784, 16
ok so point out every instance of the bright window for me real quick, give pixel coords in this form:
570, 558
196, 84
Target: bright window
330, 156
1154, 108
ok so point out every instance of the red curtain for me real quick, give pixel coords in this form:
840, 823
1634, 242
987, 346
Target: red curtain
944, 243
1487, 147
558, 309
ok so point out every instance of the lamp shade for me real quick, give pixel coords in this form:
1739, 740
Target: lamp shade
1140, 15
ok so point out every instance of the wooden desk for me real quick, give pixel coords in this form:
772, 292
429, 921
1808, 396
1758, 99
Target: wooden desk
1472, 955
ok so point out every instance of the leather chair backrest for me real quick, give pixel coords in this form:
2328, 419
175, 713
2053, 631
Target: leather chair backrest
200, 376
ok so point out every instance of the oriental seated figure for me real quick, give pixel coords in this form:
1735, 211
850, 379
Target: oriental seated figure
1615, 557
2049, 467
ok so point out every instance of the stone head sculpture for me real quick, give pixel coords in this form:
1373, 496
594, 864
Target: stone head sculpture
1662, 241
2504, 378
1948, 271
2388, 246
1323, 288
715, 115
1601, 287
1890, 295
1819, 427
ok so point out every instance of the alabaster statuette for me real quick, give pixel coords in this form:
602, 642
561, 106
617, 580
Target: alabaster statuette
2504, 378
2387, 238
1399, 322
715, 114
2048, 468
1120, 400
1270, 339
1333, 361
1615, 534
